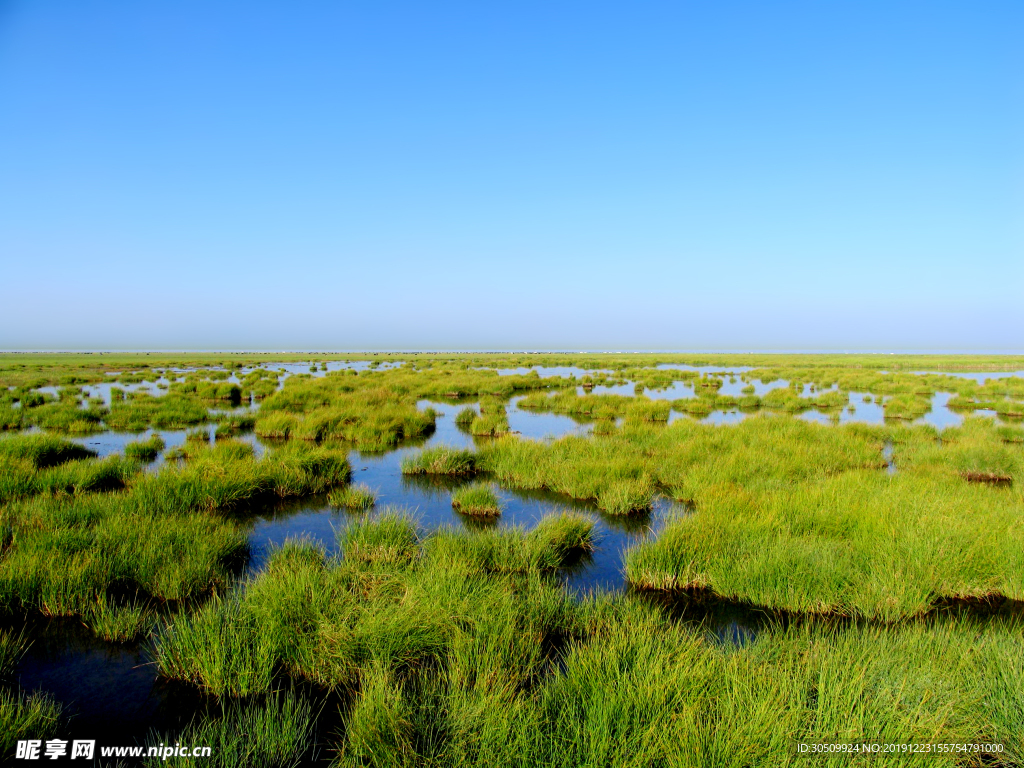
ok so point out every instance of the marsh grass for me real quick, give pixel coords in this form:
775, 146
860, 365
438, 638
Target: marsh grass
906, 406
68, 418
230, 426
144, 450
26, 716
139, 411
460, 648
489, 425
352, 497
10, 418
860, 544
460, 658
120, 621
19, 479
441, 460
12, 647
390, 537
274, 732
156, 536
476, 499
465, 417
43, 450
1010, 434
393, 599
622, 497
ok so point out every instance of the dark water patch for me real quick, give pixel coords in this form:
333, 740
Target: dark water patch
726, 622
982, 606
110, 691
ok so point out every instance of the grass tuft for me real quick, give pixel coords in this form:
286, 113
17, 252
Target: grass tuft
352, 497
440, 461
476, 499
144, 450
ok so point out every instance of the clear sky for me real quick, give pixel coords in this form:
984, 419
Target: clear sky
480, 175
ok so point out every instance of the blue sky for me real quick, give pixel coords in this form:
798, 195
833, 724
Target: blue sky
356, 175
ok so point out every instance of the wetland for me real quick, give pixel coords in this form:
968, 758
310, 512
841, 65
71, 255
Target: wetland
509, 559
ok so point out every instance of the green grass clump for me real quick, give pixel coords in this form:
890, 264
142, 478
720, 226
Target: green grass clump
275, 425
489, 425
227, 475
457, 601
229, 426
352, 497
139, 411
454, 658
465, 417
144, 450
440, 461
220, 648
43, 450
550, 545
695, 406
861, 543
906, 406
26, 716
19, 479
685, 457
1010, 434
391, 537
476, 499
10, 418
120, 622
107, 474
623, 497
65, 552
67, 417
274, 733
12, 647
649, 410
156, 536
